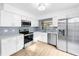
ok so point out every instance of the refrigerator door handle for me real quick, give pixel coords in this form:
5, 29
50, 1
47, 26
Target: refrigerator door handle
63, 32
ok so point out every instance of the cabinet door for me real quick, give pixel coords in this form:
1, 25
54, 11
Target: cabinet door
39, 36
20, 42
17, 20
23, 18
34, 23
55, 22
44, 37
36, 36
1, 6
6, 18
10, 19
8, 46
17, 23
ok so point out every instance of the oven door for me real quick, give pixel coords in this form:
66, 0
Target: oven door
28, 38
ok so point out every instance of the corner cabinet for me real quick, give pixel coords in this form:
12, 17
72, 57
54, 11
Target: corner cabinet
40, 36
9, 19
11, 45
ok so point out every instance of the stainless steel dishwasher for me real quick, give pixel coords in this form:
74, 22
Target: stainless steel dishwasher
52, 38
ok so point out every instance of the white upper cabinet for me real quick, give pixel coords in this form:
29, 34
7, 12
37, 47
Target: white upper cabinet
17, 21
6, 18
26, 18
55, 22
34, 23
10, 19
1, 6
23, 18
11, 16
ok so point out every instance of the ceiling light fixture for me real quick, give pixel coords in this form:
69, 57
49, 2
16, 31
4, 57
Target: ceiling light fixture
41, 6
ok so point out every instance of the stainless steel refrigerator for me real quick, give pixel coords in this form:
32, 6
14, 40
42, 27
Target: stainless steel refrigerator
68, 35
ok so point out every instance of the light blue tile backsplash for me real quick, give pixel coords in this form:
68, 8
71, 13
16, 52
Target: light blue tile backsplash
34, 29
9, 30
12, 30
15, 30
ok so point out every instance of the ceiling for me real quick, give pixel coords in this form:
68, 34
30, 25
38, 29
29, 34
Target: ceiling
51, 7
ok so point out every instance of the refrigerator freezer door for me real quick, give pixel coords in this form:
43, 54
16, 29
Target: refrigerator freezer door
73, 36
61, 42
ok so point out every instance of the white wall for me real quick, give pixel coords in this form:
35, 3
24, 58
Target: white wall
62, 14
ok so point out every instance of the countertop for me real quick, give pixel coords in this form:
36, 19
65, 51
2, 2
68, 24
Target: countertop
53, 32
3, 36
28, 34
9, 35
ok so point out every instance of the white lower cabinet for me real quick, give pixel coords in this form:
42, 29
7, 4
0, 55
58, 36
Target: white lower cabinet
11, 45
8, 46
40, 36
20, 42
44, 37
36, 36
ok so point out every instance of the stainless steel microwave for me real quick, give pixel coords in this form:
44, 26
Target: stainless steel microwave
25, 23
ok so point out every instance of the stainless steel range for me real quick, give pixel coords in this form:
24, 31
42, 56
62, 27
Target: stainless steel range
28, 36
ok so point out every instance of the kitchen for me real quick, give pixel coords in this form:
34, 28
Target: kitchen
21, 27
